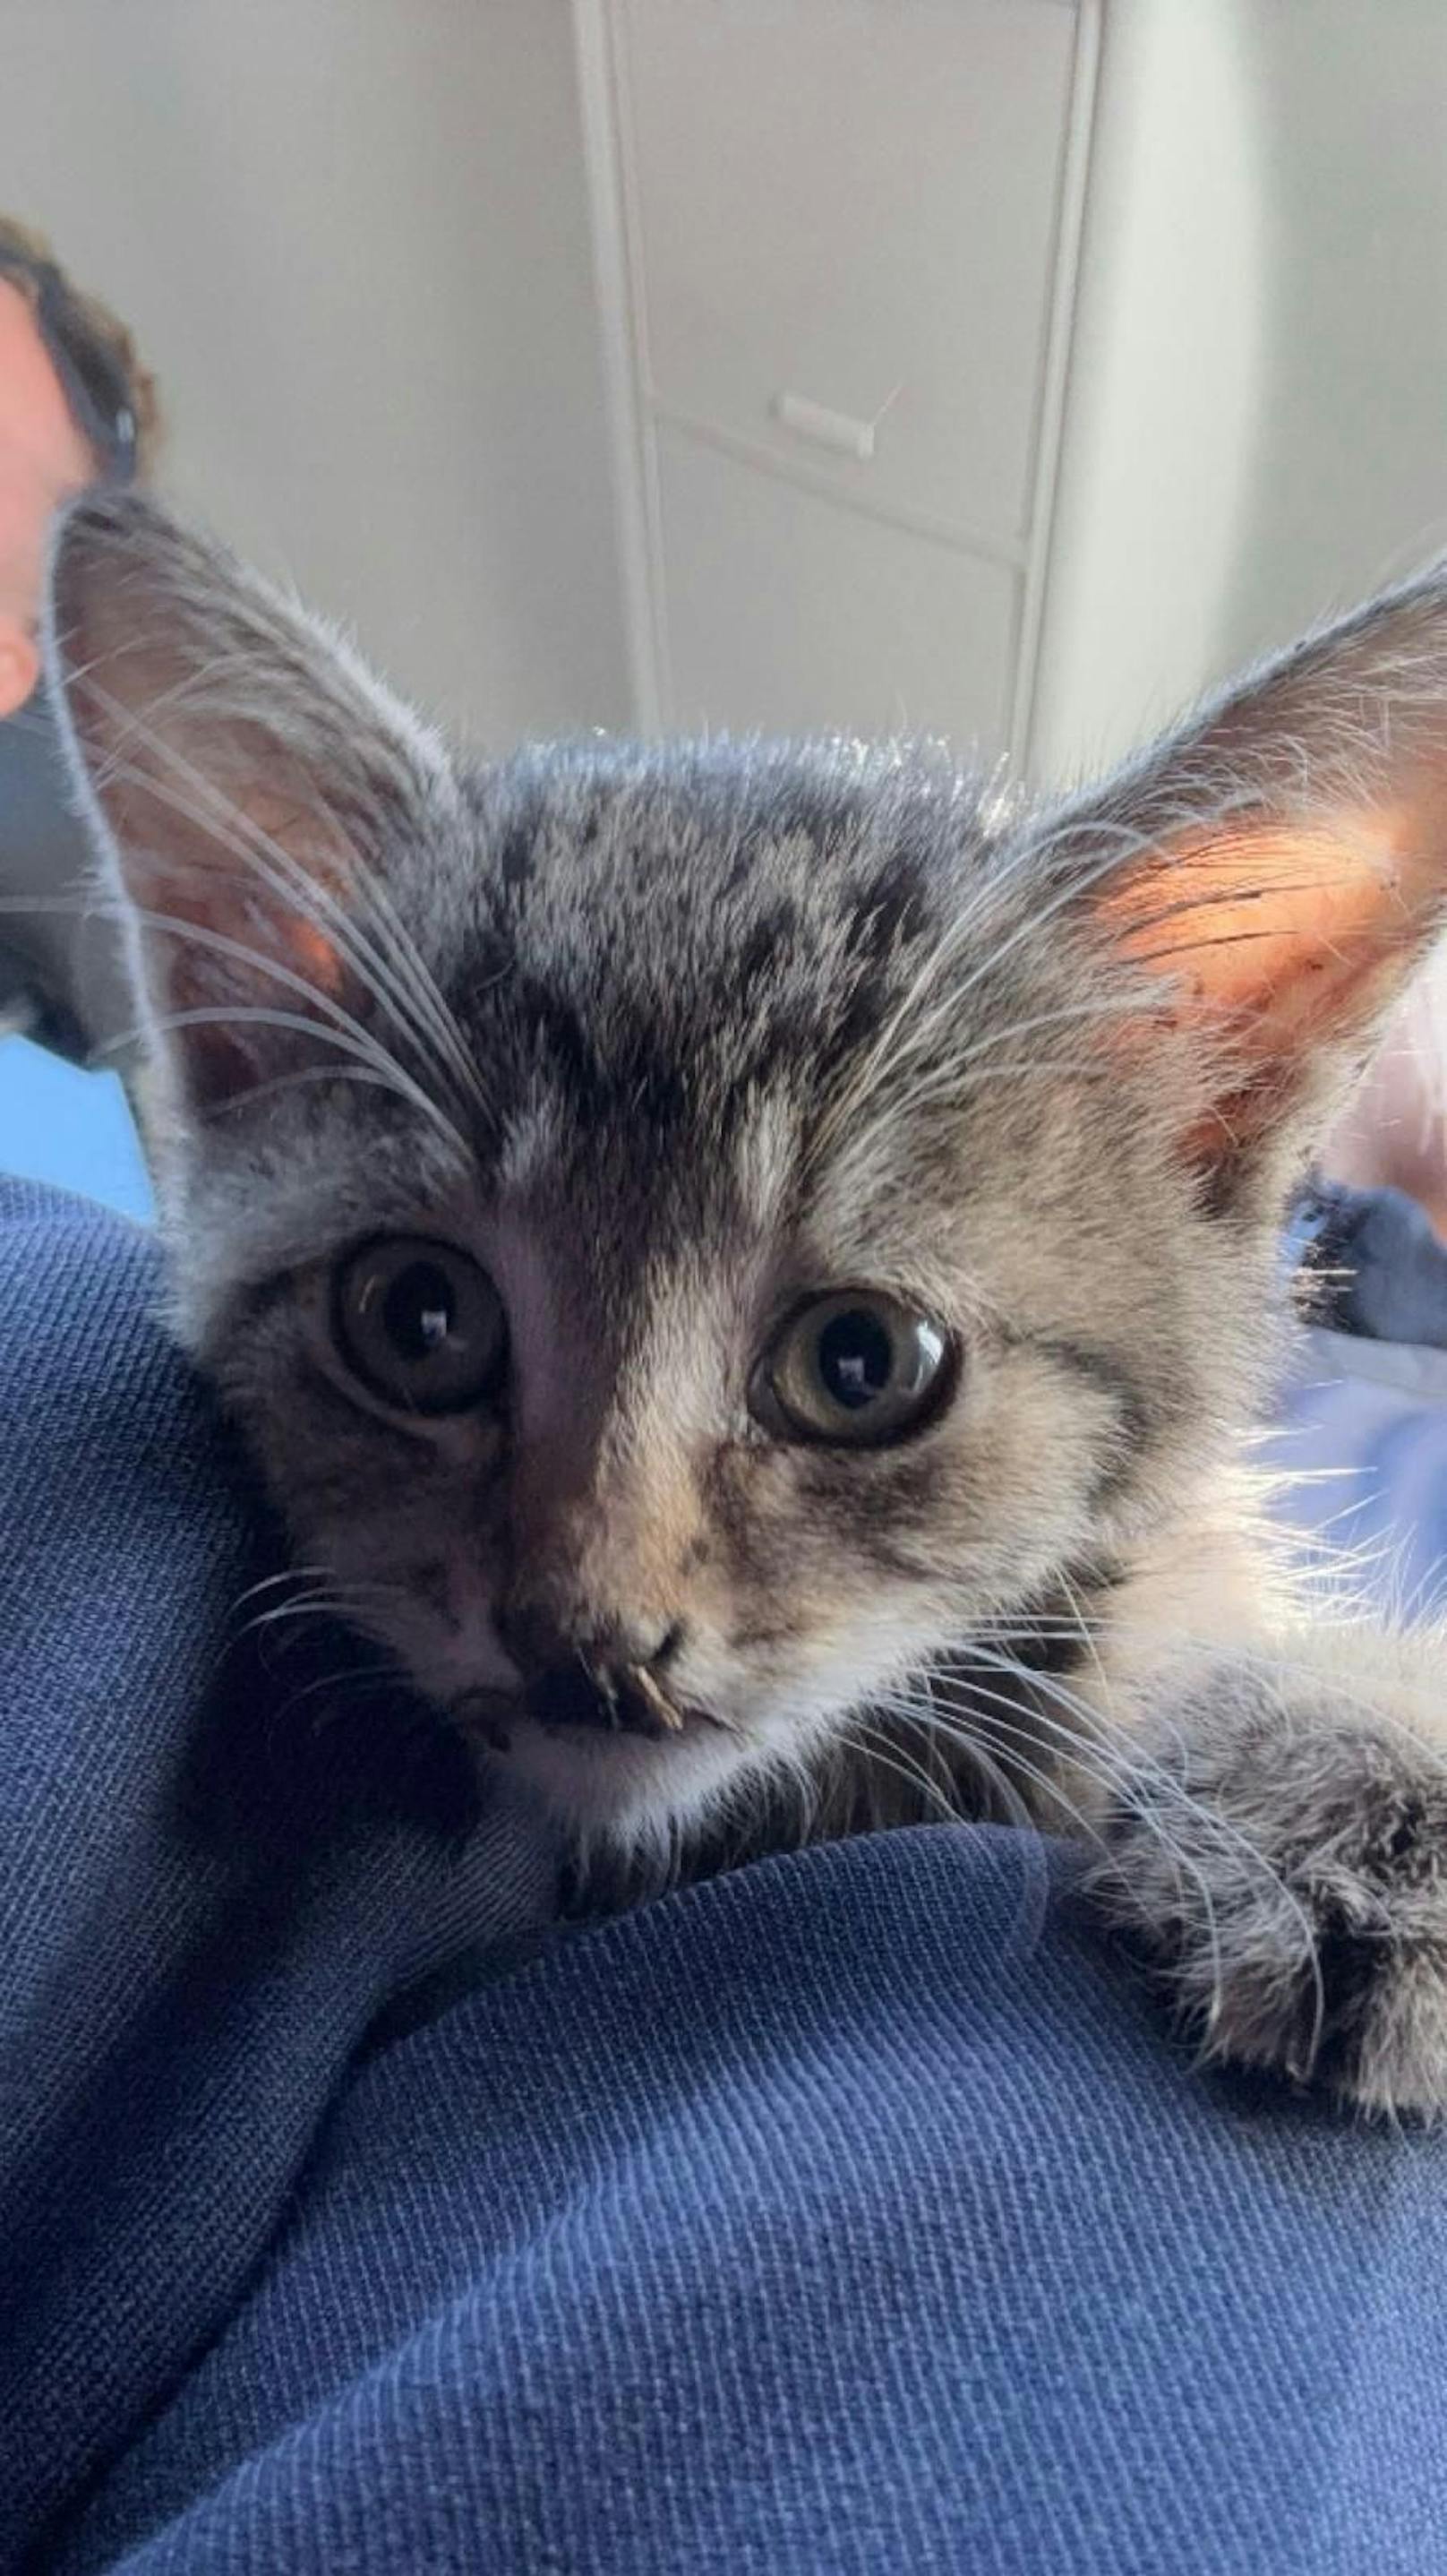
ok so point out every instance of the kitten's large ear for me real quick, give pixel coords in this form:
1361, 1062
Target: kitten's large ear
245, 775
1280, 865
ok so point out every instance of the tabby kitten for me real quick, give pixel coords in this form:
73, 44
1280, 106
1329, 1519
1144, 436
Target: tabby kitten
748, 1267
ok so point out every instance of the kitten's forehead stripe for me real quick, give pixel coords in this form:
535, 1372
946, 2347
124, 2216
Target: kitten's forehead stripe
664, 936
765, 1155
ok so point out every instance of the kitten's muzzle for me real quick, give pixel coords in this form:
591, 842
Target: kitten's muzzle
609, 1676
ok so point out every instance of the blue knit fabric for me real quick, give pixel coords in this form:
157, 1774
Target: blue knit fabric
853, 2213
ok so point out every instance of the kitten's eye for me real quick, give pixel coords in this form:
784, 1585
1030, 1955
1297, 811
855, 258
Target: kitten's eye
419, 1324
855, 1368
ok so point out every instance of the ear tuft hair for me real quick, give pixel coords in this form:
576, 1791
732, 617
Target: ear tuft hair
1280, 867
243, 773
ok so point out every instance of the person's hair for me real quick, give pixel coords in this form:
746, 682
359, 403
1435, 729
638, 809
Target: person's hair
93, 331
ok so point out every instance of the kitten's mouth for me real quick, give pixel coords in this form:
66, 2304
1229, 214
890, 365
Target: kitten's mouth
582, 1700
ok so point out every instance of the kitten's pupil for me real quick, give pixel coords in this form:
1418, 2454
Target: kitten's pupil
419, 1324
418, 1311
856, 1358
857, 1368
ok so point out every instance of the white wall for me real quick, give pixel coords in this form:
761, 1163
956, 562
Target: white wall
352, 237
1256, 422
353, 234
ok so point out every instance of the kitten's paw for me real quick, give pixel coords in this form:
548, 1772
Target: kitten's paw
1284, 1862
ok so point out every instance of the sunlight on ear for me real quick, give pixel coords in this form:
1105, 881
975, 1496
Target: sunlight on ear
1289, 922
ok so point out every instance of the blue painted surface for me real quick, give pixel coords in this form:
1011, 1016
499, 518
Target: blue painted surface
60, 1124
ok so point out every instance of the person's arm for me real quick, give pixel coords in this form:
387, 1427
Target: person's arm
76, 407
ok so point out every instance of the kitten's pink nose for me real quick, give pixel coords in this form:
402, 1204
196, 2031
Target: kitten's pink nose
582, 1671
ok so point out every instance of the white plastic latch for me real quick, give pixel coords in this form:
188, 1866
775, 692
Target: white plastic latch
824, 428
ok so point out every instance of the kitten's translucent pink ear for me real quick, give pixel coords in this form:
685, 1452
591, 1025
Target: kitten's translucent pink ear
1281, 864
244, 773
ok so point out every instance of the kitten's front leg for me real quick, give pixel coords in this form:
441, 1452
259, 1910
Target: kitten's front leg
1282, 1854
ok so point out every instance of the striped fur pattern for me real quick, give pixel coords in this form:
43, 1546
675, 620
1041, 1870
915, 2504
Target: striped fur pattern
665, 1040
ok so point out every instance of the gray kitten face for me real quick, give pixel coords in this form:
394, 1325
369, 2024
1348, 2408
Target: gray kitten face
696, 1236
666, 975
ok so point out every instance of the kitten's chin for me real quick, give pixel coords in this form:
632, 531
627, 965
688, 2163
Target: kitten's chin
617, 1788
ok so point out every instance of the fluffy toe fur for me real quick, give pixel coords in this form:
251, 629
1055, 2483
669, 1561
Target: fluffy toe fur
1284, 1864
